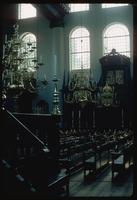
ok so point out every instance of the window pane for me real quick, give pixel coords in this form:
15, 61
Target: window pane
76, 61
26, 11
79, 45
85, 44
111, 5
29, 46
79, 49
117, 37
75, 7
80, 32
85, 60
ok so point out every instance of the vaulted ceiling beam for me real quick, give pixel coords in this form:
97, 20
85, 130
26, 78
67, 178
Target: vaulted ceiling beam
53, 12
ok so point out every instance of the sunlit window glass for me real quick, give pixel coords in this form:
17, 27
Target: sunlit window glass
79, 49
26, 10
111, 5
117, 36
30, 50
76, 7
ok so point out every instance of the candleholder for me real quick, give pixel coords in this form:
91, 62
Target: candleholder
122, 118
94, 122
18, 71
56, 109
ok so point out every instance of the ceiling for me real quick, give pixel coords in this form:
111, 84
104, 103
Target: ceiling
55, 13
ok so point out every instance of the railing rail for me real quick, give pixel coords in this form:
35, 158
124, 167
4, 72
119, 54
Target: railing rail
45, 148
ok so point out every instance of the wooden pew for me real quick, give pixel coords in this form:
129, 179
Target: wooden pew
118, 164
72, 159
121, 161
89, 162
14, 184
56, 183
96, 159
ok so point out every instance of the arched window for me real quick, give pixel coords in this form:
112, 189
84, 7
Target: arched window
116, 36
79, 49
29, 49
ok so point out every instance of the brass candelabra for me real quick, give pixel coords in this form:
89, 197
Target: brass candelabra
55, 109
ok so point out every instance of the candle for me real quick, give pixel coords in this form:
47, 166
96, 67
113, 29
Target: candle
11, 78
55, 65
122, 116
3, 50
5, 38
79, 112
93, 118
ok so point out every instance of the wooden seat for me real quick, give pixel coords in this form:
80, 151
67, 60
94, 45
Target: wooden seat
17, 184
72, 159
56, 183
89, 163
119, 161
21, 184
118, 165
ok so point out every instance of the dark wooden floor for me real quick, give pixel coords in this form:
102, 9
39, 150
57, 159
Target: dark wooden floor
102, 186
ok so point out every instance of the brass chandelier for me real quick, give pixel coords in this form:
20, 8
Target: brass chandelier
17, 74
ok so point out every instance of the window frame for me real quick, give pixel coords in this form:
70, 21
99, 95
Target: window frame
103, 39
23, 35
80, 52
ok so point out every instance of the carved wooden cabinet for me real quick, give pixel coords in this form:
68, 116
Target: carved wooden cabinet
116, 73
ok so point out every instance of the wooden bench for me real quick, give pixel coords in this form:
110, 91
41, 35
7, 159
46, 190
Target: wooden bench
90, 162
72, 159
97, 161
104, 155
56, 183
90, 166
20, 185
118, 165
14, 184
120, 160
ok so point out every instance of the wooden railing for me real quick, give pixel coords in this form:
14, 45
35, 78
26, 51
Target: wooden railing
32, 158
